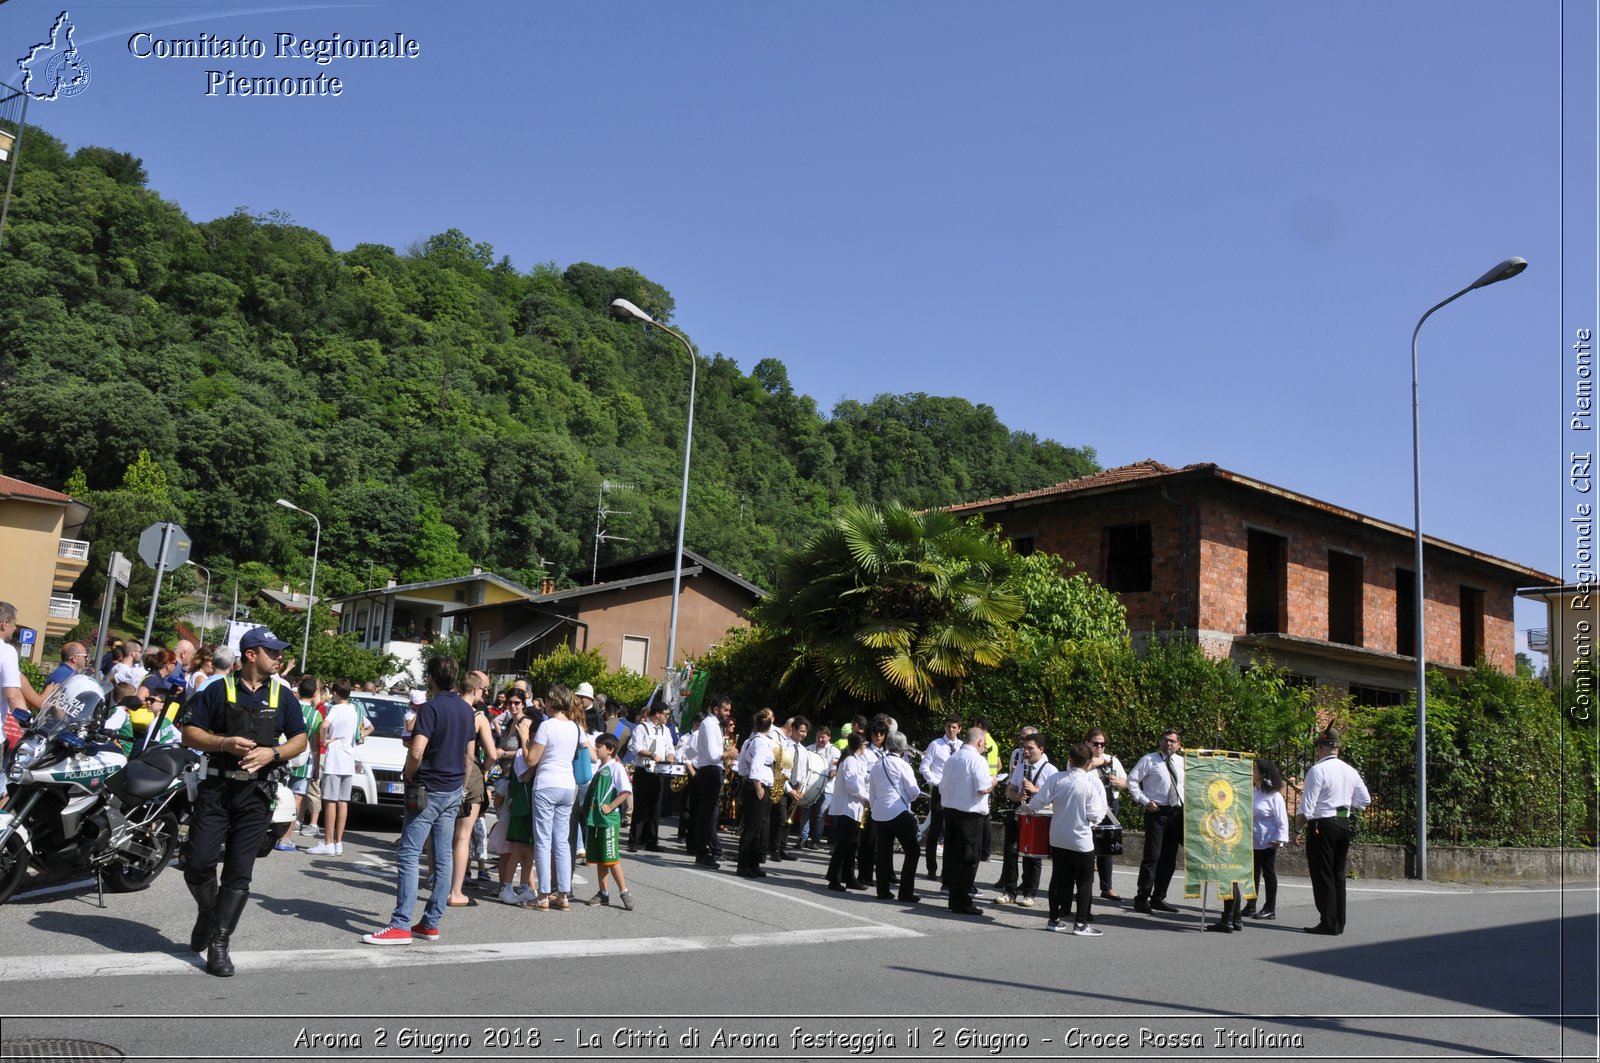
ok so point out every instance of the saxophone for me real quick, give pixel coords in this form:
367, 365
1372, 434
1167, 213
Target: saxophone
780, 775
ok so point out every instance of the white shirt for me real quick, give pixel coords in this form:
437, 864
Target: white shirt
1271, 820
650, 738
934, 758
10, 669
559, 736
830, 762
799, 767
850, 790
620, 783
756, 759
1038, 774
1332, 784
123, 672
708, 742
1079, 801
1116, 772
966, 782
339, 732
1149, 781
893, 788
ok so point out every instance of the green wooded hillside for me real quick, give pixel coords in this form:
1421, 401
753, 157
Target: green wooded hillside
434, 406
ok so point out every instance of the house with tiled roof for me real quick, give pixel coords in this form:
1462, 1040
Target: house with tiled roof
40, 560
1251, 569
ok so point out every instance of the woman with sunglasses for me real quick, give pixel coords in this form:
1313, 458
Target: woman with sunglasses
1114, 778
516, 729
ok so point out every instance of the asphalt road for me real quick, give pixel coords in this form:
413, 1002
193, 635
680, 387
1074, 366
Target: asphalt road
711, 966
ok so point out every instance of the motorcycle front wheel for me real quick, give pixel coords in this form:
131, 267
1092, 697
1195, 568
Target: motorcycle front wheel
13, 867
130, 874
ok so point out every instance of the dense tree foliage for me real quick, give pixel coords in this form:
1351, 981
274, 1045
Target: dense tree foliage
436, 408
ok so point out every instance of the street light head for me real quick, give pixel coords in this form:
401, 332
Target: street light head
286, 504
624, 309
1503, 272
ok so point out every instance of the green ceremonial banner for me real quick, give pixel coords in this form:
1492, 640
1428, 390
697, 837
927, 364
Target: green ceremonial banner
1218, 799
694, 696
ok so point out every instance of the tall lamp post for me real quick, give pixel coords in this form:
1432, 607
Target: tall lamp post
311, 592
205, 621
1504, 271
626, 310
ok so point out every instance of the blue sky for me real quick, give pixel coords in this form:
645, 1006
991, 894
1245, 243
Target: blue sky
1189, 232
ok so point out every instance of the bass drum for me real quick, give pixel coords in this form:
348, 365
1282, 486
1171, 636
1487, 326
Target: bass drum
816, 767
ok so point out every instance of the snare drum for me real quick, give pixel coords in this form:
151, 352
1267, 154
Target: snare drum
1033, 834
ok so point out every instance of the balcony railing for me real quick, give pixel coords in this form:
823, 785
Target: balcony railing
73, 550
1539, 639
63, 608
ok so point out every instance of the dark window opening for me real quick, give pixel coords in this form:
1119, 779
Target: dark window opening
1128, 557
1377, 697
1266, 582
1471, 625
1405, 612
1023, 545
1344, 598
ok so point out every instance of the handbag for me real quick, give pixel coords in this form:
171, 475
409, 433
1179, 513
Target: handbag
416, 797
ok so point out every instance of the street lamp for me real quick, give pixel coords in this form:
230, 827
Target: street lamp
623, 309
205, 621
311, 592
1504, 271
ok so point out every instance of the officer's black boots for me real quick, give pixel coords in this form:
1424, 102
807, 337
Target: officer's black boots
205, 895
226, 916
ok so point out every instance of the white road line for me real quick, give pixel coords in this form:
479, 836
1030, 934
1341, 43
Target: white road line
419, 954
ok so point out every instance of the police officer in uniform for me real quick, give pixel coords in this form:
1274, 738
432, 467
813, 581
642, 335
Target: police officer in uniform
236, 722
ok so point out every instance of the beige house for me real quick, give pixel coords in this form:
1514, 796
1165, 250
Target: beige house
40, 560
624, 616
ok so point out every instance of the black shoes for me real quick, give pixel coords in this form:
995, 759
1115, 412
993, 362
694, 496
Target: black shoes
230, 904
1320, 929
837, 887
1220, 928
1267, 914
205, 895
707, 862
854, 885
1161, 906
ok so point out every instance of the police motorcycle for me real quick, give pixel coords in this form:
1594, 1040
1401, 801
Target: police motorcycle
76, 802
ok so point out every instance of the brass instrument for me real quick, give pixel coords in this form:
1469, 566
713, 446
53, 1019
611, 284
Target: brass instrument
782, 762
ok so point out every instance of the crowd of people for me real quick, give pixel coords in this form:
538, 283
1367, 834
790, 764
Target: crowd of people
567, 780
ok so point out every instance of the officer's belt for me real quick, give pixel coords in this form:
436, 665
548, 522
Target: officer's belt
219, 773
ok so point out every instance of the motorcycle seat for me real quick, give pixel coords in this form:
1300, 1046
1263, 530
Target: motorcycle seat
148, 774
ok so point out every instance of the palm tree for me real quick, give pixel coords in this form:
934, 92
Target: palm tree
893, 605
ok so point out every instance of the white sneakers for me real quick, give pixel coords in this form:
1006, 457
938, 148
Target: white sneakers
325, 849
1084, 930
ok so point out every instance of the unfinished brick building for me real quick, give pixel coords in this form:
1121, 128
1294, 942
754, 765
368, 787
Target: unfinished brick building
1250, 569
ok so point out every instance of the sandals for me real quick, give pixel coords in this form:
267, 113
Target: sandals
559, 902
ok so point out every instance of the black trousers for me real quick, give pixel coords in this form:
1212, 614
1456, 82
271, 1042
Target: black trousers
842, 864
778, 825
227, 812
1328, 859
867, 852
935, 831
1105, 862
1009, 848
1163, 837
1266, 870
646, 828
754, 826
963, 837
707, 787
902, 829
1071, 883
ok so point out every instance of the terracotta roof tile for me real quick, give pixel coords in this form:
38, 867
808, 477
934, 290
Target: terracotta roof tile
11, 487
1139, 470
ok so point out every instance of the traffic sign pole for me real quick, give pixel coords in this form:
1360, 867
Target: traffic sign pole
105, 607
155, 593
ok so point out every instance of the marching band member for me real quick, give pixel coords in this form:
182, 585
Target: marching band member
893, 790
754, 766
650, 745
846, 807
1079, 801
1034, 771
933, 760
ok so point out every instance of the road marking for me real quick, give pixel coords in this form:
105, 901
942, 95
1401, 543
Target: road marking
419, 954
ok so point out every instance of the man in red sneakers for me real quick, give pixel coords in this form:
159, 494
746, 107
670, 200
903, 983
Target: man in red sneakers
437, 762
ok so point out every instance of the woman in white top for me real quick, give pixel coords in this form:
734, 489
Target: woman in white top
845, 806
338, 769
1271, 831
549, 752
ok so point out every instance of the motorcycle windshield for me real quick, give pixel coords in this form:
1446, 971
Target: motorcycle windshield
70, 706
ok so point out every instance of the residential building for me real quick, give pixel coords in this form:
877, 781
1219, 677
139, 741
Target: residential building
624, 616
1249, 569
40, 560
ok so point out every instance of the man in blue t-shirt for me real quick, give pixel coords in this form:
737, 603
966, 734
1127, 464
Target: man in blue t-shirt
437, 763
